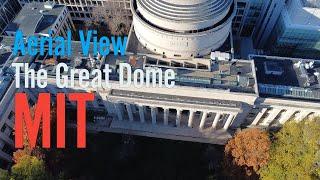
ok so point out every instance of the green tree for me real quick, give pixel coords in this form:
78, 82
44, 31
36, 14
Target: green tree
295, 152
29, 168
4, 175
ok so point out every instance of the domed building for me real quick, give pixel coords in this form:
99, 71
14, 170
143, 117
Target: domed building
182, 28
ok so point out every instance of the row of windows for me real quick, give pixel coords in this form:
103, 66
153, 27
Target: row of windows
5, 128
122, 3
288, 91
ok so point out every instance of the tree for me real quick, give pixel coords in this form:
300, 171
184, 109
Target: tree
110, 19
29, 168
295, 152
4, 175
34, 156
27, 150
247, 152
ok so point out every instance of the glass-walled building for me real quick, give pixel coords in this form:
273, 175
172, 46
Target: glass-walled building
247, 14
297, 32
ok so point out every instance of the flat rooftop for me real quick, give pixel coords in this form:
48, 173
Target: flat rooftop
234, 76
288, 77
35, 18
231, 76
177, 99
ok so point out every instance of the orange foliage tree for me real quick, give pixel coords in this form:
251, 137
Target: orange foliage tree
247, 152
27, 150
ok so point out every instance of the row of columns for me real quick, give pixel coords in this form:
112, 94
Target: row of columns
282, 115
154, 113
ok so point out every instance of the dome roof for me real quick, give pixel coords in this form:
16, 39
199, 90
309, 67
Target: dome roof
197, 10
202, 13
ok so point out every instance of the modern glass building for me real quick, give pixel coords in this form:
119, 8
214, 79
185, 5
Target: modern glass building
247, 14
297, 32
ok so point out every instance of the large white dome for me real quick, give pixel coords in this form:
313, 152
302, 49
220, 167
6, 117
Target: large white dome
182, 28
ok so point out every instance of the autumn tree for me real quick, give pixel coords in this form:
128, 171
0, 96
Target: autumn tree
295, 152
27, 150
29, 168
109, 19
247, 152
35, 155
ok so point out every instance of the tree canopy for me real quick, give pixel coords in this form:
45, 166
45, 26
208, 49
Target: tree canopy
247, 152
109, 20
295, 152
4, 175
29, 168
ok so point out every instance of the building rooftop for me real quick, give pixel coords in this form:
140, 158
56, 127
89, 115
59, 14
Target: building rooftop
304, 12
288, 77
36, 18
232, 76
176, 99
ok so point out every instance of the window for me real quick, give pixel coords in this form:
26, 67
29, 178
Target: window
11, 115
7, 149
3, 128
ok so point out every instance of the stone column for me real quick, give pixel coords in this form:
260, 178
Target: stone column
134, 108
259, 116
129, 110
178, 118
216, 120
118, 109
271, 117
166, 116
191, 116
302, 115
203, 119
286, 116
141, 114
228, 122
154, 115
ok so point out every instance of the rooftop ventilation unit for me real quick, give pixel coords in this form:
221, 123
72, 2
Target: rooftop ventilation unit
220, 56
49, 5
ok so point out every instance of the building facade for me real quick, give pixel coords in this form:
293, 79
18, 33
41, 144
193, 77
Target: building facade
269, 15
297, 32
81, 9
191, 111
247, 14
8, 11
42, 19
